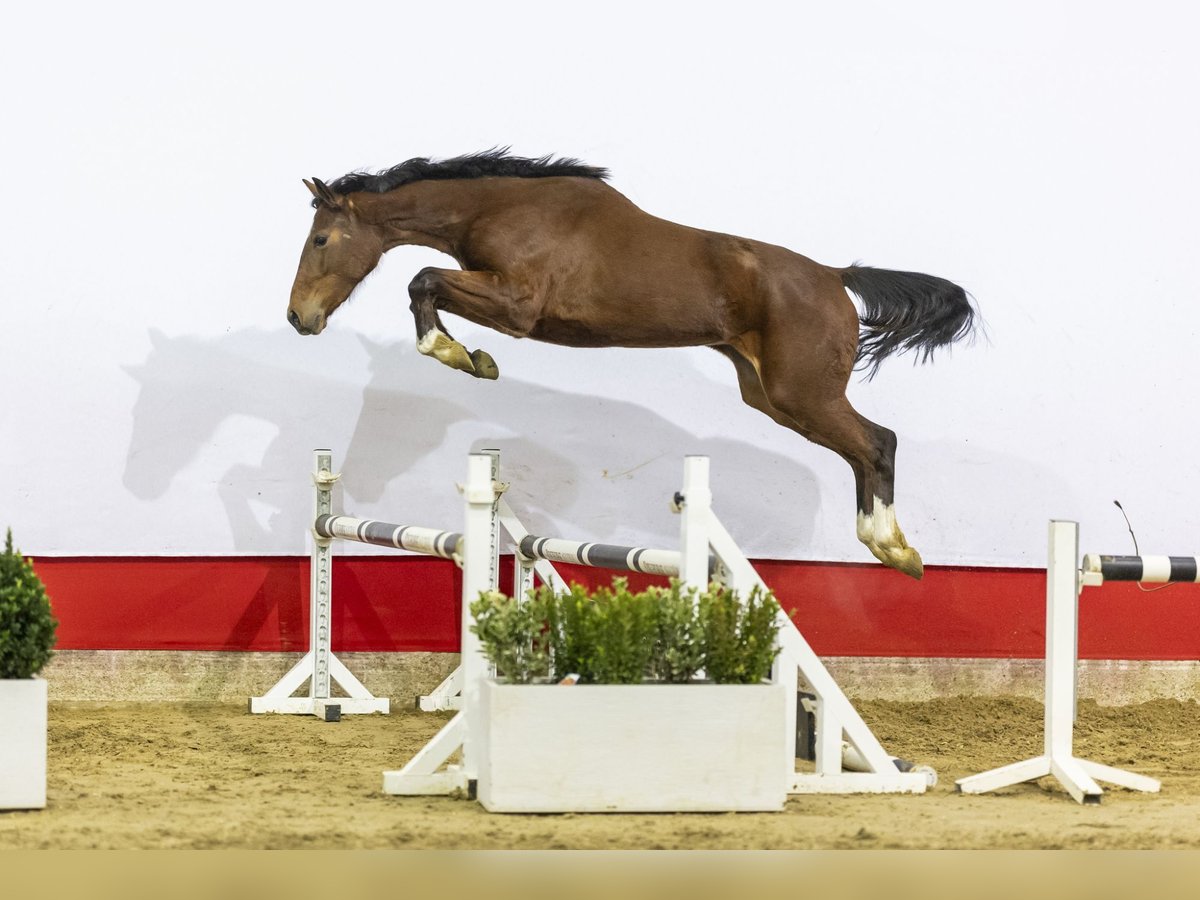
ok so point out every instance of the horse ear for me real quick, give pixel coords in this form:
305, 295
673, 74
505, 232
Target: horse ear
327, 194
323, 193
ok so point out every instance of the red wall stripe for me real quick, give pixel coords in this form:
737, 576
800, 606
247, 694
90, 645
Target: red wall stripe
394, 603
250, 603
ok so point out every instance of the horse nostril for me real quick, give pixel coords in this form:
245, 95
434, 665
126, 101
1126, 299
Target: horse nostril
294, 319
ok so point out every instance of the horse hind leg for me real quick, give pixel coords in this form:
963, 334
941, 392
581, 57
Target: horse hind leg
876, 521
870, 450
876, 525
428, 291
800, 394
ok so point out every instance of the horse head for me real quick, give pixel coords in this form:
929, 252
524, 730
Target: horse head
340, 252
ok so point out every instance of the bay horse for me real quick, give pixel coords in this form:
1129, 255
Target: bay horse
548, 250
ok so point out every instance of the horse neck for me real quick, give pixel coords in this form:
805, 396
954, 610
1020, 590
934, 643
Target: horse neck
427, 213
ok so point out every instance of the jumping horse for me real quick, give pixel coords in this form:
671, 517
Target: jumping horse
548, 250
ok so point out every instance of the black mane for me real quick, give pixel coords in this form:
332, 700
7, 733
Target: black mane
489, 163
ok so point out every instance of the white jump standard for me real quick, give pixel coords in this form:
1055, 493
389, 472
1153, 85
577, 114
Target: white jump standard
706, 548
319, 666
1064, 583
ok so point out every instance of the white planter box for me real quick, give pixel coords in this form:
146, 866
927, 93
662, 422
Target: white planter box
634, 748
23, 743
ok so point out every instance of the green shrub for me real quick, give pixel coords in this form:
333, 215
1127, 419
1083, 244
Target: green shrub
572, 629
740, 634
679, 644
623, 630
616, 636
26, 623
513, 635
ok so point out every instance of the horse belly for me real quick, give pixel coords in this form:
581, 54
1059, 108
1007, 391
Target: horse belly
631, 324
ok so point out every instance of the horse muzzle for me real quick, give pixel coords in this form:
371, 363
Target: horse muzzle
314, 324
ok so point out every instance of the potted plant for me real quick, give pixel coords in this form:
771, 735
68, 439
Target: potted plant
599, 705
27, 629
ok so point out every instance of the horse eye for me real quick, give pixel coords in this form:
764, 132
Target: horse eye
320, 240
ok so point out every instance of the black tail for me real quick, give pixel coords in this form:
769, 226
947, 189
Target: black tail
905, 311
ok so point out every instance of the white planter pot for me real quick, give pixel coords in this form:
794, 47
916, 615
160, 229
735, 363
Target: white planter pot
23, 743
634, 748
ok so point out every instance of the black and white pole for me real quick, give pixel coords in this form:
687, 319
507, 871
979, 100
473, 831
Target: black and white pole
430, 541
600, 556
1149, 569
1064, 581
693, 563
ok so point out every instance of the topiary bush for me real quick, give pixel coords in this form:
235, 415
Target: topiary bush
615, 636
27, 625
513, 635
740, 633
679, 644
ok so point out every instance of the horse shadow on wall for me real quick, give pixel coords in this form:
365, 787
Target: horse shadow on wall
412, 419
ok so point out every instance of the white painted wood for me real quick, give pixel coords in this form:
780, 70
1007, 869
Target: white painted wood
435, 754
279, 698
1062, 617
23, 743
320, 604
401, 784
1131, 780
1013, 773
354, 688
296, 676
320, 667
480, 555
633, 748
1064, 582
1079, 784
858, 783
694, 521
837, 706
447, 695
786, 674
315, 706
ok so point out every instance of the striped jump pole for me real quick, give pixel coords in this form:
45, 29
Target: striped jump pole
429, 541
601, 556
1065, 580
538, 554
694, 563
1150, 569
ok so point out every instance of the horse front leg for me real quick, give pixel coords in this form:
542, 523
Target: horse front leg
434, 289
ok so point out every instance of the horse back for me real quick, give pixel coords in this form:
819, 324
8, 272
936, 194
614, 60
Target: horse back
603, 272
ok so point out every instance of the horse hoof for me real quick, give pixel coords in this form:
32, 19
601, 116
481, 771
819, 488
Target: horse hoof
446, 350
485, 366
909, 562
450, 352
902, 559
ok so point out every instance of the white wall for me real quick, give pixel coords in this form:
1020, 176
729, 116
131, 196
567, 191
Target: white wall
1041, 154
